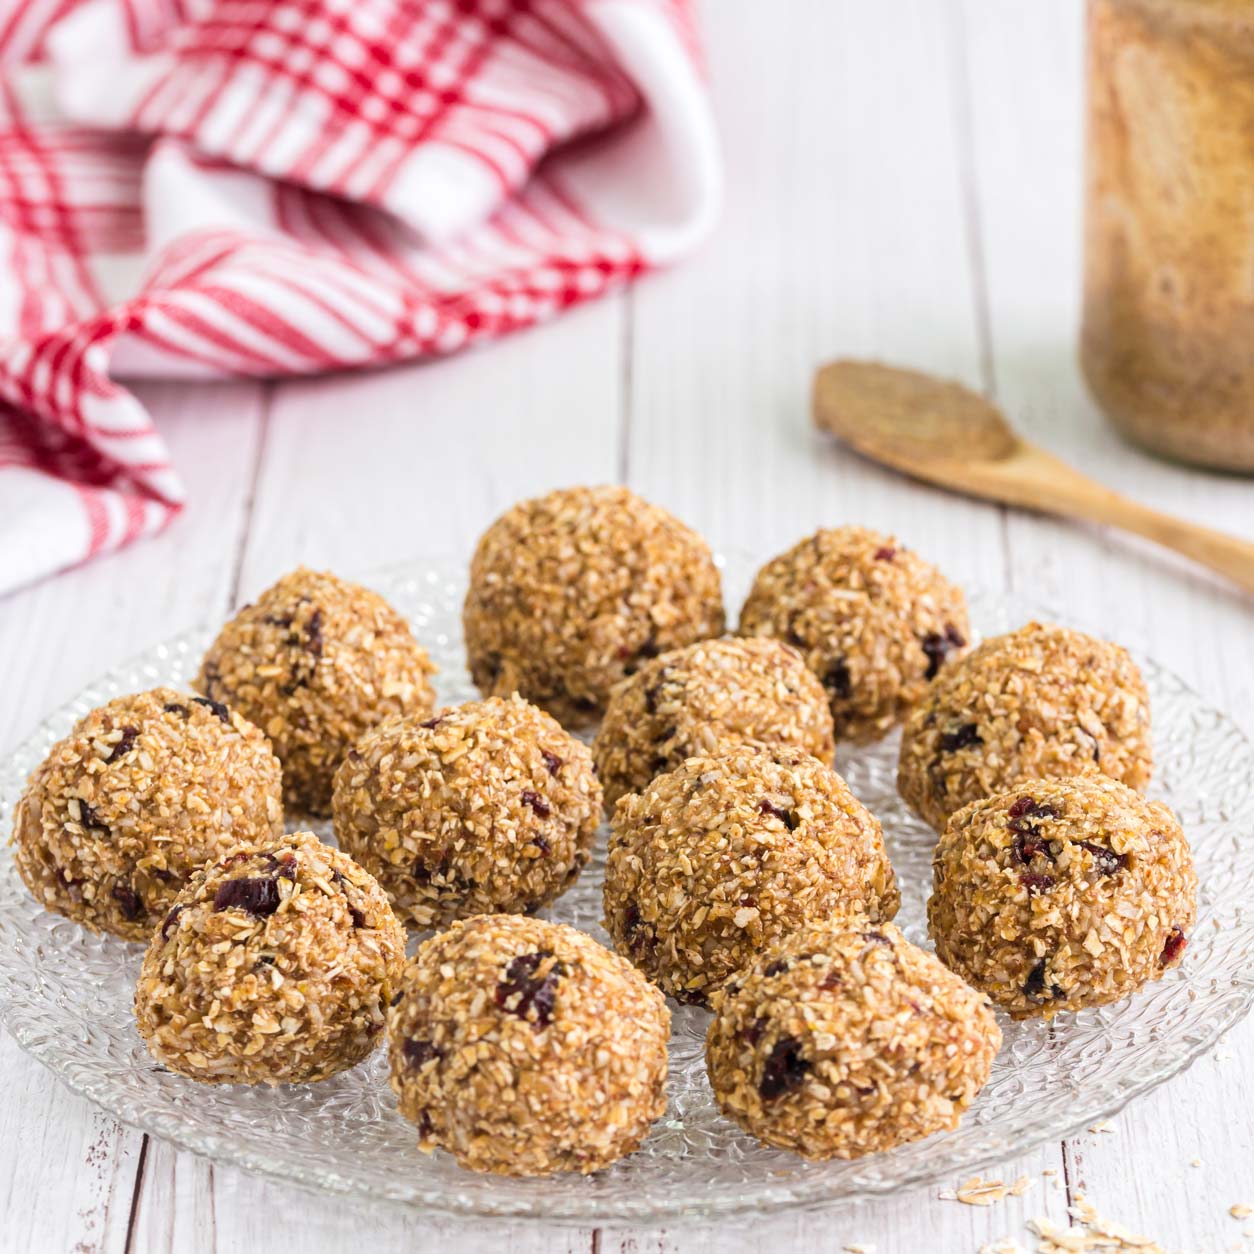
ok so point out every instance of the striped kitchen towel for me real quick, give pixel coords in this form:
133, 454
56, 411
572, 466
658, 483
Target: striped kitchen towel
201, 188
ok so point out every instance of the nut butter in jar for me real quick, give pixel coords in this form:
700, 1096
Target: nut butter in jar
1168, 339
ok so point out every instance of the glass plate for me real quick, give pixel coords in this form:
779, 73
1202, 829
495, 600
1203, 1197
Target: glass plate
66, 996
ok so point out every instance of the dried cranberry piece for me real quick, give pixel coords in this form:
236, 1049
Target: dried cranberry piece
876, 938
552, 761
837, 680
125, 745
1173, 947
785, 1068
537, 803
938, 646
541, 844
1036, 883
786, 817
397, 998
171, 920
631, 925
1025, 810
129, 902
285, 867
1034, 986
962, 738
432, 722
313, 634
89, 818
419, 1053
830, 980
778, 967
359, 919
527, 991
1107, 860
217, 707
885, 554
751, 1034
1028, 844
258, 896
175, 707
1028, 808
633, 657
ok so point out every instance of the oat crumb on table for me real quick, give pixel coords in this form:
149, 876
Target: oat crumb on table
569, 593
525, 1048
142, 791
275, 965
315, 662
873, 621
484, 807
1090, 1234
979, 1192
724, 856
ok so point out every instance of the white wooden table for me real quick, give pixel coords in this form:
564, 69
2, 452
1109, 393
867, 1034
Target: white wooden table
903, 181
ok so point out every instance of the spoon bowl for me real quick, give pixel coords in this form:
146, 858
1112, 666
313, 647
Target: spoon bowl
948, 435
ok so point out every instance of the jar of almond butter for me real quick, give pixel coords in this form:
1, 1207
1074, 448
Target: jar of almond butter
1168, 339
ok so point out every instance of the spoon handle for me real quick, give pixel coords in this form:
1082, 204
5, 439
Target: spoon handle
1038, 479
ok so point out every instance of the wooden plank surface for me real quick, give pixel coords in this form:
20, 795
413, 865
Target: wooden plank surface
902, 182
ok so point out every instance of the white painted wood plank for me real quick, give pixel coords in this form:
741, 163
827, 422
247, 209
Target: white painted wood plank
843, 234
67, 1169
1025, 79
365, 470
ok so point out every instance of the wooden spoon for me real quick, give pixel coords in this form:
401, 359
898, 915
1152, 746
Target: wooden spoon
948, 435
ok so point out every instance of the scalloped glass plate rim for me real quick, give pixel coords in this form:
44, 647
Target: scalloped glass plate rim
805, 1194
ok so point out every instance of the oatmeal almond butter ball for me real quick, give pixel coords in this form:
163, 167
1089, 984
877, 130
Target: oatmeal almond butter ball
570, 592
874, 621
525, 1048
315, 662
1039, 702
274, 966
712, 693
719, 859
141, 792
487, 807
1060, 894
848, 1040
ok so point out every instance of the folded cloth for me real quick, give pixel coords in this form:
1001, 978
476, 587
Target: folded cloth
202, 188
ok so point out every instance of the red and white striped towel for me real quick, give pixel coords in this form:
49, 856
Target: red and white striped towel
199, 188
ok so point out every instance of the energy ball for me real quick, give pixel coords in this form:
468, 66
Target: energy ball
142, 792
847, 1041
569, 593
710, 694
1041, 701
874, 621
315, 662
724, 856
488, 807
525, 1048
274, 966
1061, 894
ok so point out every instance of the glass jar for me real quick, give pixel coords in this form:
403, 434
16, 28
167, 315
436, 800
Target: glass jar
1167, 344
